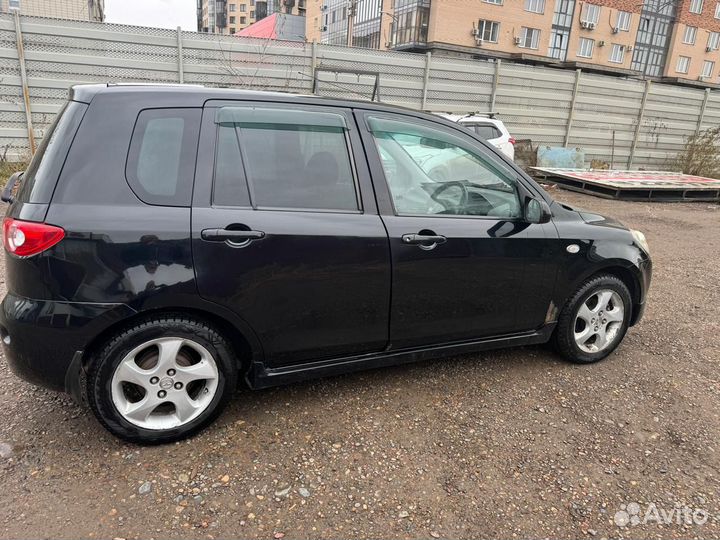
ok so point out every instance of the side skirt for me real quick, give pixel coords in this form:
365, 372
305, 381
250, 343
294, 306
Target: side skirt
260, 376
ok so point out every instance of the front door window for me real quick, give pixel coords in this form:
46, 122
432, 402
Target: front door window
432, 172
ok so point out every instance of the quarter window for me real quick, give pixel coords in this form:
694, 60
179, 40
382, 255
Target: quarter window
292, 159
161, 161
433, 172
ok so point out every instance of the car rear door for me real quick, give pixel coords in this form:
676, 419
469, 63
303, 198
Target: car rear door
459, 273
286, 231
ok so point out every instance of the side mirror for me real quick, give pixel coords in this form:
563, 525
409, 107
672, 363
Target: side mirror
537, 211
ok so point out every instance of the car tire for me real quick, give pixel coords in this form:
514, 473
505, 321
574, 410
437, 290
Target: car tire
588, 328
161, 379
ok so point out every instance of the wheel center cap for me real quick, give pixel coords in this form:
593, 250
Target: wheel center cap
166, 383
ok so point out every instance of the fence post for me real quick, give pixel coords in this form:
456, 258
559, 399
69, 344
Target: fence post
702, 112
641, 113
181, 69
496, 82
313, 65
426, 80
571, 115
24, 82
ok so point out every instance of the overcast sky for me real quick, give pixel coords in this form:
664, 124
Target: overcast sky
158, 13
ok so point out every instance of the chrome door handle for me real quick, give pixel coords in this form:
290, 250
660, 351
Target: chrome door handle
220, 235
423, 239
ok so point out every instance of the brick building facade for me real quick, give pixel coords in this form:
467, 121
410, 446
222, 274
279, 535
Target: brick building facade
647, 38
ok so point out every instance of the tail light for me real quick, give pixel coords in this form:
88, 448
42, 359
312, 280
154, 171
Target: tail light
26, 238
511, 140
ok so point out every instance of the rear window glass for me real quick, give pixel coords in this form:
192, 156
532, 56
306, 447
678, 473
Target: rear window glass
41, 176
485, 131
161, 162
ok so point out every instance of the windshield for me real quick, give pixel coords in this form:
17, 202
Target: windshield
42, 174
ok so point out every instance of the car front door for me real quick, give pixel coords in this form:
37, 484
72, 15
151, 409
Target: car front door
466, 264
286, 231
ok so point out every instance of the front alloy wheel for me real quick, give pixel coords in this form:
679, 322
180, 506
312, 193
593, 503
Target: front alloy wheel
594, 320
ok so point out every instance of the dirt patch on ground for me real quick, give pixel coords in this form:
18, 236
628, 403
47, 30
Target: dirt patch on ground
501, 444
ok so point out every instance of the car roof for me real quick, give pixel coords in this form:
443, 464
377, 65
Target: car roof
198, 96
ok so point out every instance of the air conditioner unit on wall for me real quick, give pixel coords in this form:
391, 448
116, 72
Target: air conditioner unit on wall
474, 32
516, 40
615, 29
601, 43
479, 41
708, 49
587, 25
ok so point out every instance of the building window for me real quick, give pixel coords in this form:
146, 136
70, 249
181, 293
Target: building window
683, 64
243, 8
498, 2
232, 20
529, 37
243, 20
708, 67
623, 21
590, 13
488, 30
232, 7
717, 10
232, 30
617, 53
585, 48
713, 41
252, 15
689, 36
536, 6
696, 6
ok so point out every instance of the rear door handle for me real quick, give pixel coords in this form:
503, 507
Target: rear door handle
231, 235
424, 241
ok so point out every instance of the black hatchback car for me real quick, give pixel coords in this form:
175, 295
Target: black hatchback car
166, 242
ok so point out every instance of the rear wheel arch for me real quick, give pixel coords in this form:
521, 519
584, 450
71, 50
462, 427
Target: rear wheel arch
246, 349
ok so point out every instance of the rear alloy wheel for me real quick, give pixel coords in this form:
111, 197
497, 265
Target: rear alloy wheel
594, 321
161, 380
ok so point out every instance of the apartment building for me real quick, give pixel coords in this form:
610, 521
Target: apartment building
231, 16
81, 10
660, 39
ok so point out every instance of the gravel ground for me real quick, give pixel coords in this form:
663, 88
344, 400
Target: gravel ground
512, 443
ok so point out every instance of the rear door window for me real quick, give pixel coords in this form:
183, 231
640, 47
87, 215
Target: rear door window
291, 159
161, 161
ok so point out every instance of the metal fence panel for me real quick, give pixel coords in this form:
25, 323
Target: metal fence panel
546, 105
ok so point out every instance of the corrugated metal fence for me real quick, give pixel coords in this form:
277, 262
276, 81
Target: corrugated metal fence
549, 106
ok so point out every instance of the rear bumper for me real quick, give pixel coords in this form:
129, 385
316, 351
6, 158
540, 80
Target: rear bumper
43, 340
